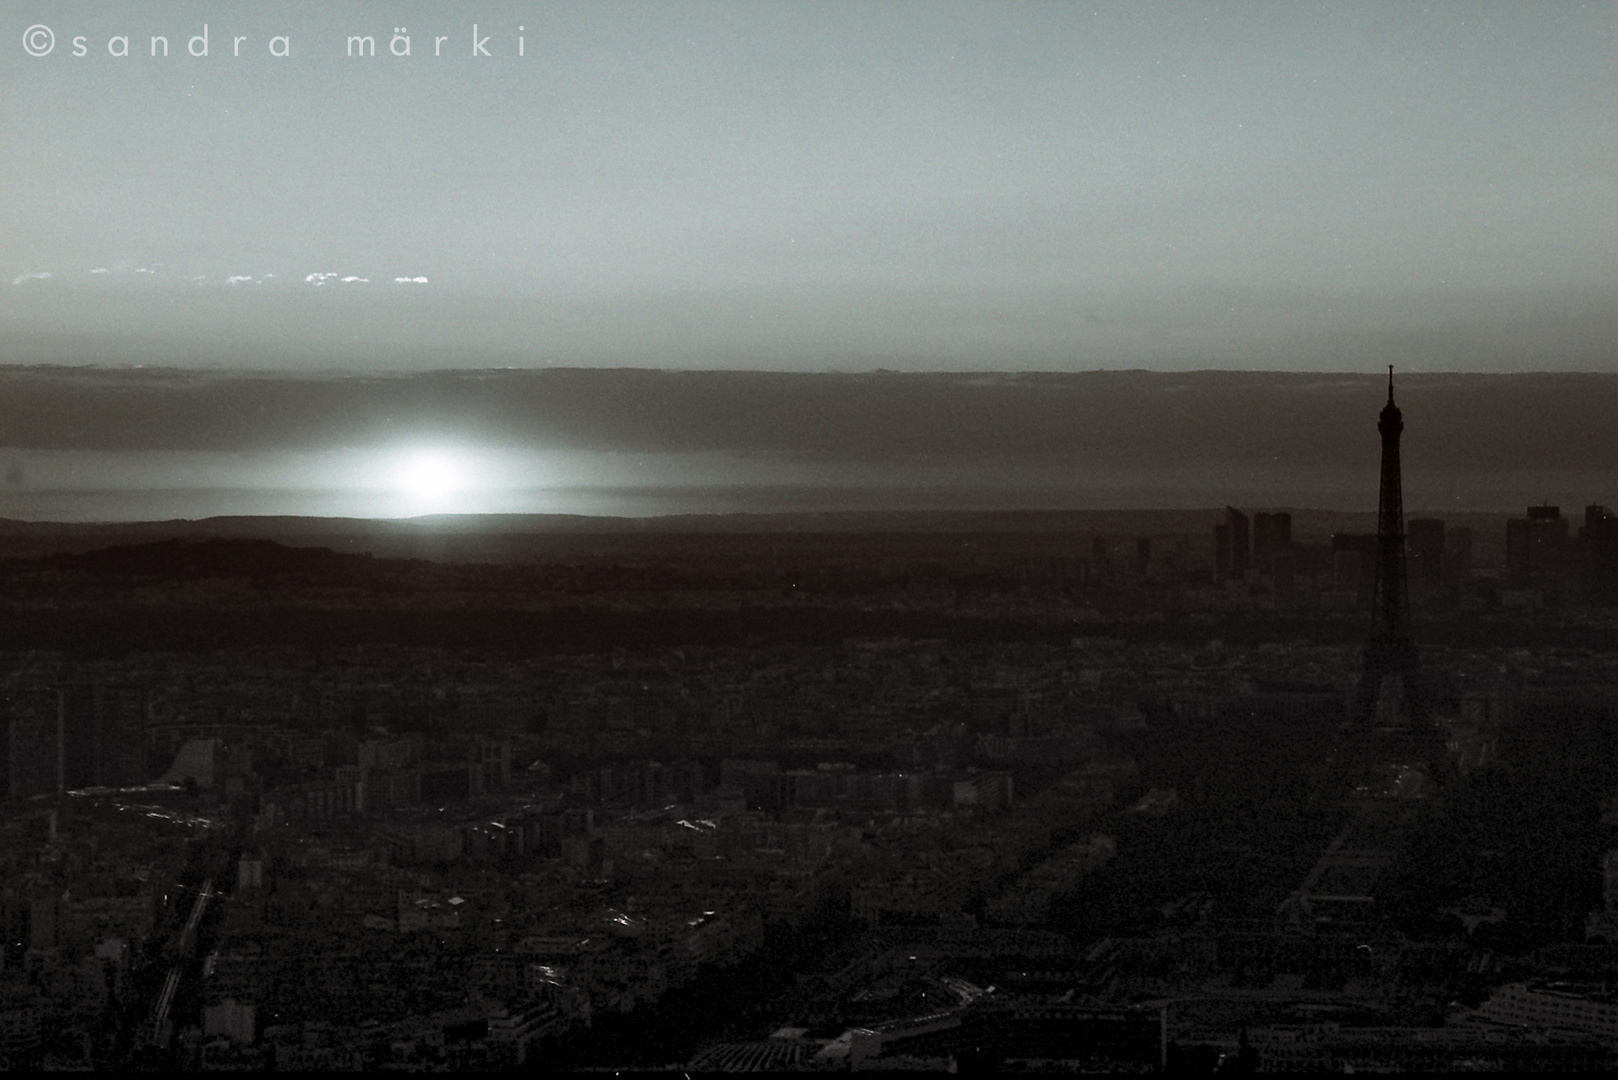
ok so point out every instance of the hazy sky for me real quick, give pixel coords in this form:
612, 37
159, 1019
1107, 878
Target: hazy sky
813, 185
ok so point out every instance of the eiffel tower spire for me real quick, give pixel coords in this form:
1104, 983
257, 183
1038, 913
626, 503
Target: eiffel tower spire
1390, 651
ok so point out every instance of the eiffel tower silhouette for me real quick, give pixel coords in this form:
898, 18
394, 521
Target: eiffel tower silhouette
1390, 688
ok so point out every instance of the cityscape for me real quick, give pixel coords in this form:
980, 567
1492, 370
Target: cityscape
1244, 796
697, 536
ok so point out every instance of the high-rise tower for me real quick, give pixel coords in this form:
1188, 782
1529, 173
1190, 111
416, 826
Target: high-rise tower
1391, 679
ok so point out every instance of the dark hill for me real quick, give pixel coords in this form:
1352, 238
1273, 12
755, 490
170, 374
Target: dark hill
189, 560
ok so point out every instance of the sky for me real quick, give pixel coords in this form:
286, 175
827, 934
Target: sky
811, 186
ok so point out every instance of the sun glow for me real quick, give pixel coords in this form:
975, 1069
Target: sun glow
432, 480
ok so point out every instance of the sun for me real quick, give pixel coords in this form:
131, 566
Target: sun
430, 478
424, 478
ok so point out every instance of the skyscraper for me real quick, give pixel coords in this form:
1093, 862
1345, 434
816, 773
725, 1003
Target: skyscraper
1426, 550
1390, 681
1231, 547
1272, 535
1240, 544
1536, 544
120, 735
1599, 541
35, 764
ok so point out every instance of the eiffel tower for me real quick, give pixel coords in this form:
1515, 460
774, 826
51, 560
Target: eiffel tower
1390, 689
